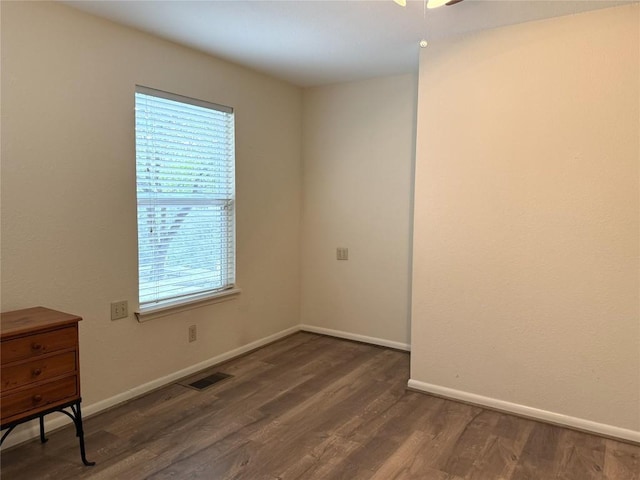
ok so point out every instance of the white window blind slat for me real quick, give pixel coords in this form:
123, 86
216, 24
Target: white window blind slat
185, 169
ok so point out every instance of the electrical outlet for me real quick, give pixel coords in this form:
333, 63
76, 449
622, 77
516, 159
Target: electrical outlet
193, 333
119, 310
342, 253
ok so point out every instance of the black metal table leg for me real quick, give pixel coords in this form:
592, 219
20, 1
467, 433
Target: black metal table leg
7, 433
80, 433
43, 439
75, 415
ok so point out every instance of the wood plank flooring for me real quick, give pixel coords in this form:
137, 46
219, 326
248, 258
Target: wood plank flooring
315, 407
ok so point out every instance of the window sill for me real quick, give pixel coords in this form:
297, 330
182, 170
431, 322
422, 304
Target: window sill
162, 310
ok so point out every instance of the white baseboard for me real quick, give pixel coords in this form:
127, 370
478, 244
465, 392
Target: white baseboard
354, 336
30, 430
529, 412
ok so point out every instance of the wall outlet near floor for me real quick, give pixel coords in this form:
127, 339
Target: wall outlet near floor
193, 333
119, 310
342, 253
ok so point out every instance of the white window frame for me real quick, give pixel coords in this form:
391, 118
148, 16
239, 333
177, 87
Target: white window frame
160, 306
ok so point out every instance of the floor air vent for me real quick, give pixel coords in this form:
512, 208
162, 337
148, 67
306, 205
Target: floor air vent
207, 381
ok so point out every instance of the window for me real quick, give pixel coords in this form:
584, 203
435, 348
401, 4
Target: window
185, 171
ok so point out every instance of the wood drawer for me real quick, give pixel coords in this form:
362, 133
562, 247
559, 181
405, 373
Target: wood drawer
38, 398
14, 376
39, 344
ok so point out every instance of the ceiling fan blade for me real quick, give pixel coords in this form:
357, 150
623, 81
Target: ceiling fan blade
430, 3
438, 3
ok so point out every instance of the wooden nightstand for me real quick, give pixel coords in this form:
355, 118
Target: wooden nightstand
40, 369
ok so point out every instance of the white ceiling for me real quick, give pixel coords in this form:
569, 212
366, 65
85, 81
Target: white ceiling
319, 42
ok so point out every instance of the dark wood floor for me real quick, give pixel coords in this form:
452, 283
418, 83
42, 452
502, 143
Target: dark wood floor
314, 407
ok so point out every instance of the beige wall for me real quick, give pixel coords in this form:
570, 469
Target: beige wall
526, 226
526, 244
68, 190
358, 143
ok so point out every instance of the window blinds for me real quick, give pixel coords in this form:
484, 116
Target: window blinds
185, 169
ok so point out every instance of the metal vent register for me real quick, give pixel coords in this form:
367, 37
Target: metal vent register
207, 381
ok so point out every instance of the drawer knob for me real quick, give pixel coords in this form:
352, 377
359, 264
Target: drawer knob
36, 372
36, 346
37, 398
